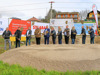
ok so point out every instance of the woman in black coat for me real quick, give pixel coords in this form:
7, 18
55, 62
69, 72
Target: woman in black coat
59, 35
73, 35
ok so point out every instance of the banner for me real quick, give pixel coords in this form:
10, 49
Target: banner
42, 26
3, 25
95, 14
62, 23
78, 27
14, 24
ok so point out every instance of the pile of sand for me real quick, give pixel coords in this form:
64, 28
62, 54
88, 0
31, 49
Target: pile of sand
56, 57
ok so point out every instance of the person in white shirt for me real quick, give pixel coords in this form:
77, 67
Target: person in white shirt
28, 36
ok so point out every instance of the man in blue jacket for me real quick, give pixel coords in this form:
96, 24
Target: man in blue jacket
91, 32
46, 35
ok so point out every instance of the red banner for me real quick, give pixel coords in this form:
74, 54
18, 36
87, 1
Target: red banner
14, 24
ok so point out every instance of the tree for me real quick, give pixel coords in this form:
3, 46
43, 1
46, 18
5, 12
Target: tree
47, 17
15, 18
83, 14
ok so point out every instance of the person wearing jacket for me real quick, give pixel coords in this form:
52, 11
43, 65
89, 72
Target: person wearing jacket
28, 36
59, 35
46, 35
18, 37
66, 35
38, 35
92, 36
6, 35
53, 34
83, 33
73, 34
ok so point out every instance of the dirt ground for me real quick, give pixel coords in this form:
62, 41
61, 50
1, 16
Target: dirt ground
56, 57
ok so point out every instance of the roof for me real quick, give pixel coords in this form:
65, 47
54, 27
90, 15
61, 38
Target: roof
67, 13
92, 12
34, 19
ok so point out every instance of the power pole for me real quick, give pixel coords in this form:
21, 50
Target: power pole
51, 8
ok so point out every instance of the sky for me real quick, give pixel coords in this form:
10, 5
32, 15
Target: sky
26, 9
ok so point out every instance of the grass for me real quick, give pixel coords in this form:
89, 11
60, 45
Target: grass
2, 45
6, 69
87, 22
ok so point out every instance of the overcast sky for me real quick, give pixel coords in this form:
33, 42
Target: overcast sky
26, 9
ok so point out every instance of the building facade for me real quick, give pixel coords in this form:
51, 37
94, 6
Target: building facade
68, 15
90, 16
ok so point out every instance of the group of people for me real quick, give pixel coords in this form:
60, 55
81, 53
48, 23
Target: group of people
47, 33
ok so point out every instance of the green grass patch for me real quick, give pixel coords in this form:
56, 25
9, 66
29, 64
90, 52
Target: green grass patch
6, 69
89, 22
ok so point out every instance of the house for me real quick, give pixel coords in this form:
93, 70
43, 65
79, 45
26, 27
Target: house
90, 16
68, 15
33, 19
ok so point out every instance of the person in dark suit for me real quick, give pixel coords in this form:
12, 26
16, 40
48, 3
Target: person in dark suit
38, 35
92, 35
18, 37
59, 35
6, 35
46, 35
66, 35
53, 34
83, 33
28, 35
73, 34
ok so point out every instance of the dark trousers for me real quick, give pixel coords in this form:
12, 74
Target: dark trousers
92, 40
73, 41
83, 39
38, 41
59, 41
28, 40
66, 39
54, 40
46, 40
17, 43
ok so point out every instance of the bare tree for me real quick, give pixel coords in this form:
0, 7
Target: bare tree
83, 14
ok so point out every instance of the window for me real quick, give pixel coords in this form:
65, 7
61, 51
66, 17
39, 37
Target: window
75, 15
75, 19
66, 15
63, 16
92, 15
59, 16
70, 15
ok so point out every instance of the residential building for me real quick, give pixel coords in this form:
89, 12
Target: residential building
68, 15
33, 19
90, 16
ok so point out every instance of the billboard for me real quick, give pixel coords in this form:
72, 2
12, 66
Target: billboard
78, 27
41, 25
3, 25
62, 23
14, 24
